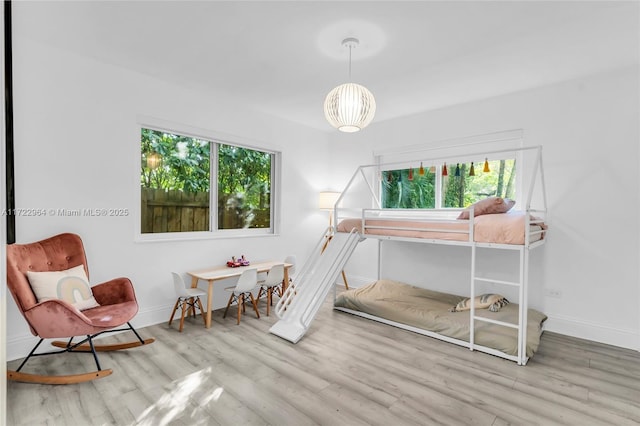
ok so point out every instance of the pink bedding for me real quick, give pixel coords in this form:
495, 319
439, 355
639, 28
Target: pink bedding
504, 228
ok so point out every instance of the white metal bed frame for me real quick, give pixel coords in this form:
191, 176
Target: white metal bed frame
446, 215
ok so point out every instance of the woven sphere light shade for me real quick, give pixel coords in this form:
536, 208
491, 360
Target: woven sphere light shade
349, 107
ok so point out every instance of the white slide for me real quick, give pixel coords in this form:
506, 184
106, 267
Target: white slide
300, 303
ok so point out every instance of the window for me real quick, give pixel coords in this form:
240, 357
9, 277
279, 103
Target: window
430, 187
402, 189
244, 188
183, 176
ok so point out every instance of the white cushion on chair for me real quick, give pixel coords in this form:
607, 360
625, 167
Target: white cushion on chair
70, 285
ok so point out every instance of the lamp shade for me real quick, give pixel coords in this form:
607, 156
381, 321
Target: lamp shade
349, 107
327, 200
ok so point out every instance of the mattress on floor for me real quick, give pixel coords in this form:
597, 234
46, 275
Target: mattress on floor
429, 310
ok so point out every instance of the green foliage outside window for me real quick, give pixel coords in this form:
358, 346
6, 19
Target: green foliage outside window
244, 188
175, 183
398, 191
184, 163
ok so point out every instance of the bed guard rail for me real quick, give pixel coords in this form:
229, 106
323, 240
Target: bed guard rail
361, 196
425, 220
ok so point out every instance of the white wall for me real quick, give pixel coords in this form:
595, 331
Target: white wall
589, 132
77, 146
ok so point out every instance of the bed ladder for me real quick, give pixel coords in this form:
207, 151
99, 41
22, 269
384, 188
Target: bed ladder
521, 327
301, 301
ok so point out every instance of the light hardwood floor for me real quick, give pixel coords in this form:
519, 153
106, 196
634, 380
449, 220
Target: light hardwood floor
346, 371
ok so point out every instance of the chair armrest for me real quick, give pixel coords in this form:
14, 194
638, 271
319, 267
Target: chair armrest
56, 319
117, 290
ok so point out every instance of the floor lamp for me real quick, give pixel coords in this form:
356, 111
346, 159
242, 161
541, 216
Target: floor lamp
327, 201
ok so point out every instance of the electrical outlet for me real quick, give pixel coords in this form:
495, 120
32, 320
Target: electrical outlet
552, 292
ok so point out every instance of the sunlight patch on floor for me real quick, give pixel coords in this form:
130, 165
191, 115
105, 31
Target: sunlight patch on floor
182, 397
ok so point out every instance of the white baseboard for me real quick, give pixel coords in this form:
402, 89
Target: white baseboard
20, 346
152, 316
624, 338
356, 281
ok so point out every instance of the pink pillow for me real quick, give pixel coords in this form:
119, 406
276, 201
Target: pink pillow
489, 205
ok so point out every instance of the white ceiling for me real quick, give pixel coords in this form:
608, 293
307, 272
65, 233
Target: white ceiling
284, 57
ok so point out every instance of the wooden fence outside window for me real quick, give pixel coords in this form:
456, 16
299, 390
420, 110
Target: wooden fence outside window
174, 211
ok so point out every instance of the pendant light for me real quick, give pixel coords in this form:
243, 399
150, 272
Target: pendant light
457, 170
349, 107
444, 170
410, 173
421, 170
472, 171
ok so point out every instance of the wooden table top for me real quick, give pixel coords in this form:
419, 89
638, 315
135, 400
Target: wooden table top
222, 272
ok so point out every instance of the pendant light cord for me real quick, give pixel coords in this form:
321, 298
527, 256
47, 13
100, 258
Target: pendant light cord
350, 47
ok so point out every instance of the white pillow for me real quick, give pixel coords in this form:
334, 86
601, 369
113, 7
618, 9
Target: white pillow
71, 286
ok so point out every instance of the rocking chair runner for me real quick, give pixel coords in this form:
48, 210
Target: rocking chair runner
59, 319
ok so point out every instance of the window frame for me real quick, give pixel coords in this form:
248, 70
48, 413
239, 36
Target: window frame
439, 181
214, 139
498, 146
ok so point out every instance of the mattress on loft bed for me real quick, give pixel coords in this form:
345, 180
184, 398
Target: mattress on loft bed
429, 310
500, 228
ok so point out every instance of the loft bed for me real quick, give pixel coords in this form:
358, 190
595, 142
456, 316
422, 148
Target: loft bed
512, 333
503, 228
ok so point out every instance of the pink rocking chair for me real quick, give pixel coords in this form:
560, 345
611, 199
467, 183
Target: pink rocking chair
58, 319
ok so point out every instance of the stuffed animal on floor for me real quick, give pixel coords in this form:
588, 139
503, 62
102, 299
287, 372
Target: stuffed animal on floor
492, 301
